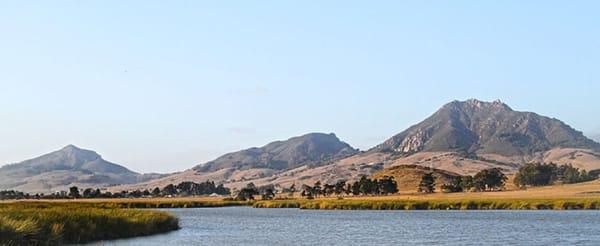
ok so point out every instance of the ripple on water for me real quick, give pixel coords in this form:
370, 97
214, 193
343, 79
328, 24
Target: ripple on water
250, 226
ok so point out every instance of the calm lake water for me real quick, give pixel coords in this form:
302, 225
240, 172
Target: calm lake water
250, 226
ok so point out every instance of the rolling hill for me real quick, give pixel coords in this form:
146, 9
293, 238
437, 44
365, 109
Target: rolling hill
408, 177
309, 149
69, 166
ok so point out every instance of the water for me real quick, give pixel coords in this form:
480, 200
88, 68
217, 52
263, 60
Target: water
250, 226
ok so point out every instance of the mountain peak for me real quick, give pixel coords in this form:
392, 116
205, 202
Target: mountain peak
61, 168
479, 127
79, 153
477, 104
308, 149
70, 147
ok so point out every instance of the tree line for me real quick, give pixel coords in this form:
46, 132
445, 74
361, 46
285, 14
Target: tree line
486, 180
540, 174
531, 174
182, 189
364, 186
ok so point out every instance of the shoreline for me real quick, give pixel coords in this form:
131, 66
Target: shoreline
463, 204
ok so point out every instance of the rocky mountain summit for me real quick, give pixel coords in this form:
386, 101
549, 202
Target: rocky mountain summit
477, 127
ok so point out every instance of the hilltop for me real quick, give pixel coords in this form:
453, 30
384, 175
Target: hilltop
310, 149
66, 167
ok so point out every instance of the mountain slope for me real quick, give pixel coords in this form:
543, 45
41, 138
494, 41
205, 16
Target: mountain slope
309, 149
461, 137
277, 158
66, 167
476, 127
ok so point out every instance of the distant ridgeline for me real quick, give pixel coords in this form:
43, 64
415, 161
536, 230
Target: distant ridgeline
461, 139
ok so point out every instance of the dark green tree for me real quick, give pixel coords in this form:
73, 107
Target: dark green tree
268, 194
365, 185
74, 192
536, 174
455, 185
340, 187
88, 193
489, 180
247, 193
387, 185
316, 189
328, 189
307, 191
169, 190
466, 183
427, 184
156, 192
356, 188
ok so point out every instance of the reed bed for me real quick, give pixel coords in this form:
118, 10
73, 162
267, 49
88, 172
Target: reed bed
163, 203
475, 204
52, 223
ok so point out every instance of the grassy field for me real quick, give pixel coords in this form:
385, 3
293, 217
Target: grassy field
574, 196
430, 204
85, 220
53, 223
177, 202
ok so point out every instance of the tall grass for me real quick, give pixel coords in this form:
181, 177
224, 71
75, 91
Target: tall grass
66, 223
162, 203
477, 204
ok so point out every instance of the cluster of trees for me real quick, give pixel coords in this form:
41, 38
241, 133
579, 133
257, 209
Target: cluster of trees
427, 184
540, 174
248, 192
364, 186
13, 195
193, 189
182, 189
486, 180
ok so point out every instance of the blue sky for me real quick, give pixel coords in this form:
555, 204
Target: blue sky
161, 86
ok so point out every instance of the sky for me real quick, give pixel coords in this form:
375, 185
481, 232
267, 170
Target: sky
162, 86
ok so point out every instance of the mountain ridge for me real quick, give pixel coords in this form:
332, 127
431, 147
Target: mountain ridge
462, 137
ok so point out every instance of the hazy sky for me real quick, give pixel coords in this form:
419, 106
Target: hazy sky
164, 86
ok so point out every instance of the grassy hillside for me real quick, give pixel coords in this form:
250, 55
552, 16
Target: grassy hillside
408, 177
